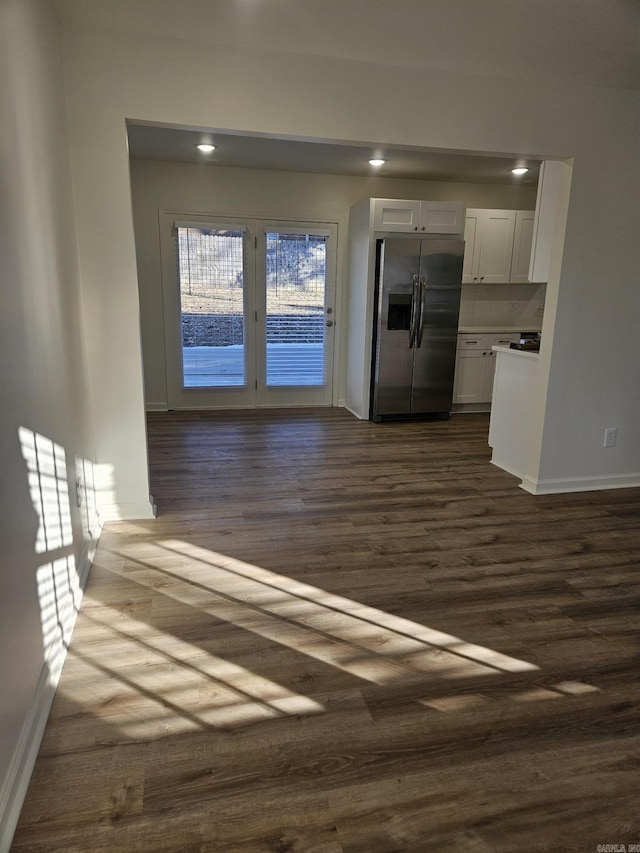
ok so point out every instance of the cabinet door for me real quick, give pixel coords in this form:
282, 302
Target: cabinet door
489, 376
503, 340
439, 217
490, 371
469, 384
467, 341
391, 214
471, 242
522, 246
496, 246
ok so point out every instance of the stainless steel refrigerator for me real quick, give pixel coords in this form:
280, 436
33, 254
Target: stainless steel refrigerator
415, 326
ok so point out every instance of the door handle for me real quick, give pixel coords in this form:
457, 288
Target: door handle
422, 291
414, 312
329, 323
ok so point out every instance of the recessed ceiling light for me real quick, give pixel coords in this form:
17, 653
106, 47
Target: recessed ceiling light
377, 161
521, 170
206, 148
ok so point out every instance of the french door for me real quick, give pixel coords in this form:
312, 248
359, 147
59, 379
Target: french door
248, 312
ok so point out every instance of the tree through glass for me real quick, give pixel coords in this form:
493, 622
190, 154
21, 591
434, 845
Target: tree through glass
296, 277
211, 272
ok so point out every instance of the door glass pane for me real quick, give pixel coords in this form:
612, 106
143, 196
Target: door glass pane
296, 275
212, 307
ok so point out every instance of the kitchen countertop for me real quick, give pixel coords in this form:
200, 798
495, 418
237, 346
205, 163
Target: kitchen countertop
487, 330
523, 353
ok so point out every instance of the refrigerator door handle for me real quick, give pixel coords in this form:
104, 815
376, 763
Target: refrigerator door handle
420, 324
413, 323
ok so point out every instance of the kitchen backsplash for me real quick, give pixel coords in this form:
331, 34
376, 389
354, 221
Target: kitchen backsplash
518, 305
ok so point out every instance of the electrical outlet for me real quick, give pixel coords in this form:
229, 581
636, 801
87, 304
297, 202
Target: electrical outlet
610, 436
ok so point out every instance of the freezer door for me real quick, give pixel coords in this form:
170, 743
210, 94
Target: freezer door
440, 278
398, 264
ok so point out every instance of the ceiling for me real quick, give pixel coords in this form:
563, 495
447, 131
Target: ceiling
150, 142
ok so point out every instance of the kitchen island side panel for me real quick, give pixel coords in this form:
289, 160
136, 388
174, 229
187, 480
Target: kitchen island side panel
513, 409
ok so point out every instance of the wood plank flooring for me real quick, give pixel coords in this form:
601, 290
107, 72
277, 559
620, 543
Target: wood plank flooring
342, 637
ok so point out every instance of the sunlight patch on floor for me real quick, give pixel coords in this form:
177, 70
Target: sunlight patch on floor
363, 641
533, 693
158, 684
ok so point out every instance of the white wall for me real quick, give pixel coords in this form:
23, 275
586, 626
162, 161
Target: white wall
267, 194
491, 108
43, 389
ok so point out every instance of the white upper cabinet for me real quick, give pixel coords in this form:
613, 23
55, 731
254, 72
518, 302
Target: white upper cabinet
424, 217
471, 226
489, 246
497, 246
522, 239
390, 214
441, 217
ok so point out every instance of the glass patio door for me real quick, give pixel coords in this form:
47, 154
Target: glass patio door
248, 311
209, 299
295, 329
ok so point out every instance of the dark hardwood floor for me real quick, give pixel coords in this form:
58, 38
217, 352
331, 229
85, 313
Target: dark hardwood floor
341, 636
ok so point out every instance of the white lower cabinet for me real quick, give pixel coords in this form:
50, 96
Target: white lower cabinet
470, 378
475, 369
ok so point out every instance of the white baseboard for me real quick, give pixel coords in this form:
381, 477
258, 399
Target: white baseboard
509, 469
354, 413
156, 407
580, 484
137, 511
15, 785
470, 408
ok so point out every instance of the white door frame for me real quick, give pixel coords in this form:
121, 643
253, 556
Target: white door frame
255, 392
